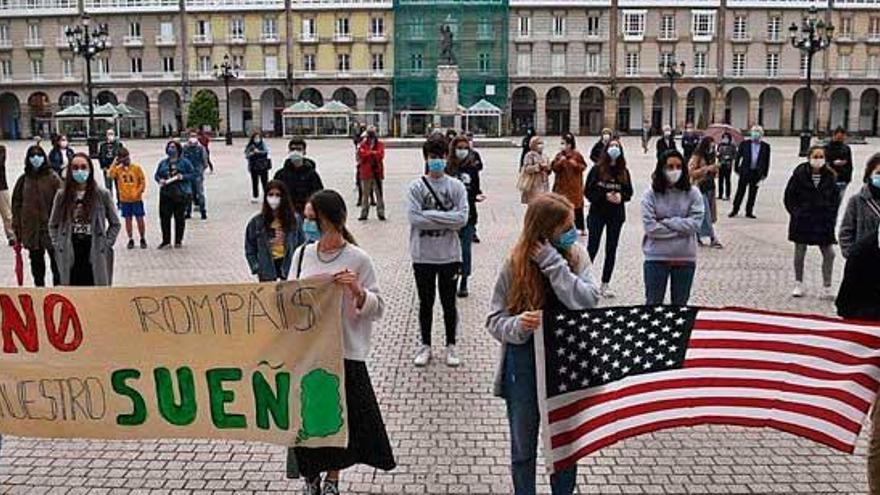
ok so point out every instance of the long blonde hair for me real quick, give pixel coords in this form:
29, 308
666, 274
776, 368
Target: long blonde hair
543, 217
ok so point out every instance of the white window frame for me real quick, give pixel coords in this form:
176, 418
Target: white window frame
309, 28
703, 25
701, 62
309, 63
632, 63
525, 26
343, 62
771, 65
166, 31
236, 29
37, 69
270, 28
594, 63
377, 22
774, 28
873, 65
203, 28
524, 63
484, 62
874, 29
557, 64
204, 65
634, 19
34, 34
136, 65
270, 65
803, 63
844, 64
67, 68
377, 62
741, 27
558, 26
239, 62
4, 32
846, 28
103, 66
342, 27
6, 69
134, 29
417, 62
594, 26
168, 65
667, 27
738, 65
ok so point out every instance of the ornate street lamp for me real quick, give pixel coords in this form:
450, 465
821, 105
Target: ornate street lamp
227, 71
87, 42
811, 37
671, 72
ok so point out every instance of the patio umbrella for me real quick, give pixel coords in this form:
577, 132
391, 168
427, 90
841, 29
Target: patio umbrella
716, 130
19, 264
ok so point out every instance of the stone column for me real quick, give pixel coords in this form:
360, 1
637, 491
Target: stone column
681, 108
257, 122
574, 121
24, 121
609, 117
155, 123
754, 108
541, 115
718, 104
852, 124
823, 113
786, 117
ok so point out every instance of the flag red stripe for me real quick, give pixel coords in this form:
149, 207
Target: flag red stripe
787, 347
661, 405
823, 318
755, 364
574, 408
798, 430
742, 326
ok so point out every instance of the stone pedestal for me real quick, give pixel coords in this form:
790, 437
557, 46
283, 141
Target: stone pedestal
447, 89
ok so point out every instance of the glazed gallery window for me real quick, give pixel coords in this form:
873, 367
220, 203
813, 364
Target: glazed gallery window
634, 23
703, 24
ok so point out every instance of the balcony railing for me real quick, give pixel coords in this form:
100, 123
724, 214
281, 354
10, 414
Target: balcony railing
61, 42
308, 37
236, 39
38, 7
341, 4
213, 5
352, 74
269, 38
140, 76
872, 38
856, 74
114, 6
596, 35
165, 40
33, 43
5, 44
377, 38
634, 36
132, 41
202, 39
689, 74
342, 38
667, 37
741, 38
780, 74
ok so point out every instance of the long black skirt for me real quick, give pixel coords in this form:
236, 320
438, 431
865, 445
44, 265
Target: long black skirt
367, 439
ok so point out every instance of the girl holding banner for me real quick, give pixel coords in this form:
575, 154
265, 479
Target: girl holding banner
336, 255
547, 268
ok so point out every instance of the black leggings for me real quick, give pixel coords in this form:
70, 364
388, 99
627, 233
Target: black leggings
595, 225
724, 188
38, 266
258, 178
169, 208
428, 279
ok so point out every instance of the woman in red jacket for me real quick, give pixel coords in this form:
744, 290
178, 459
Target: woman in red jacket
371, 172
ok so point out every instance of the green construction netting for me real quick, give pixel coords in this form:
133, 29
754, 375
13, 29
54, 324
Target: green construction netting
479, 31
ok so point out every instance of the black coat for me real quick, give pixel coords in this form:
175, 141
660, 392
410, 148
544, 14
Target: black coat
860, 289
840, 151
665, 144
301, 182
813, 210
596, 151
743, 164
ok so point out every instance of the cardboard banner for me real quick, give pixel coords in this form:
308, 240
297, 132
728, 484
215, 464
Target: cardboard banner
258, 362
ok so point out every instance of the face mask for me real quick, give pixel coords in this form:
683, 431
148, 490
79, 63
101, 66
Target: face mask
725, 141
566, 240
110, 137
875, 180
310, 229
258, 140
171, 152
193, 140
667, 133
436, 165
673, 175
540, 148
274, 201
80, 176
461, 154
817, 162
756, 136
606, 138
295, 156
36, 161
614, 152
62, 144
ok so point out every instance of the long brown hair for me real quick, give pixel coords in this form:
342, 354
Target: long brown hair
618, 171
330, 206
284, 213
452, 161
68, 197
544, 215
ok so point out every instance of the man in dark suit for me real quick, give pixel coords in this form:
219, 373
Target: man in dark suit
666, 142
752, 164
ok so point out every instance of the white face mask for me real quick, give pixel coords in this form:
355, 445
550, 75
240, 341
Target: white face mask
539, 148
817, 163
274, 202
461, 154
673, 176
193, 140
667, 133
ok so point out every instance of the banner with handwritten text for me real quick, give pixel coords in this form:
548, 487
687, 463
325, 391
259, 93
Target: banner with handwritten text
259, 362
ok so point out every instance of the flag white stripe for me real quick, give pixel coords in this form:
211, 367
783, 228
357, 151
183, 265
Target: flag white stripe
592, 412
855, 350
851, 387
786, 321
801, 420
782, 358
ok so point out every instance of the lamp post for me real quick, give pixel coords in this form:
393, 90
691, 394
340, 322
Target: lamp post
671, 72
87, 41
811, 37
227, 71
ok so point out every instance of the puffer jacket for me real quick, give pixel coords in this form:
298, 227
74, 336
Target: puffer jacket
813, 209
32, 200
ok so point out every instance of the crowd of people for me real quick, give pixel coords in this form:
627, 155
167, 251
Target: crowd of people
60, 209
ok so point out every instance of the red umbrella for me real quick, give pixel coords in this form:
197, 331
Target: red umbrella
19, 264
716, 130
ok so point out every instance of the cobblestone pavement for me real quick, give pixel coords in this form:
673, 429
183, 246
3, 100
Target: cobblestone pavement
448, 431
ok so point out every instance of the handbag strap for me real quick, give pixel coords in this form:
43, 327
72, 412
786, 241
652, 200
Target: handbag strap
299, 260
872, 204
440, 204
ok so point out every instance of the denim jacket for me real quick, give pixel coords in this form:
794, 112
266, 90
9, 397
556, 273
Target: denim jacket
258, 249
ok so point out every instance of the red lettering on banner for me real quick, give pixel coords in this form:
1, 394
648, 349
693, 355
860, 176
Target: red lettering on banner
64, 330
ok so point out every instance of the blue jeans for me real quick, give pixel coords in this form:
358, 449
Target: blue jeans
466, 234
707, 229
198, 190
680, 276
523, 415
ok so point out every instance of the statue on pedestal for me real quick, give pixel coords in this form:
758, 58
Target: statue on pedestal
446, 55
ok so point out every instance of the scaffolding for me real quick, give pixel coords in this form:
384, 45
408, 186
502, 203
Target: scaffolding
479, 30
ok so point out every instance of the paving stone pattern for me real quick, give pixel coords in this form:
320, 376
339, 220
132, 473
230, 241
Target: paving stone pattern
449, 433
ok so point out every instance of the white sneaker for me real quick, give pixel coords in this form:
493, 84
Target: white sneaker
452, 359
423, 356
798, 290
828, 294
606, 292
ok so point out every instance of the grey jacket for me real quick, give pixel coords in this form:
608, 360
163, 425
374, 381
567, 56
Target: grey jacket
575, 289
859, 220
105, 229
671, 222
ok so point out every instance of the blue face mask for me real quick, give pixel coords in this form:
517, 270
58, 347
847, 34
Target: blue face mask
436, 165
614, 152
310, 229
36, 161
171, 151
80, 176
875, 180
566, 239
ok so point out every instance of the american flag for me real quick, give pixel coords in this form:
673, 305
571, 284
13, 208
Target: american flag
613, 373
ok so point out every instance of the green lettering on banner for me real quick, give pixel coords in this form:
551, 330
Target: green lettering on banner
266, 402
139, 407
321, 405
185, 413
220, 397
